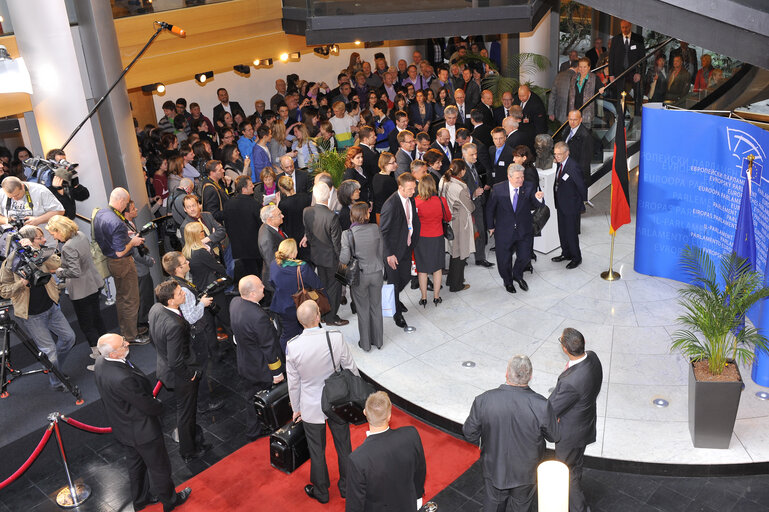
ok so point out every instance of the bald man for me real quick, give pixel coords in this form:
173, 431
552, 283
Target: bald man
308, 364
134, 415
534, 113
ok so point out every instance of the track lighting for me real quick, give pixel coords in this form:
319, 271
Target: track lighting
203, 77
263, 62
156, 87
242, 69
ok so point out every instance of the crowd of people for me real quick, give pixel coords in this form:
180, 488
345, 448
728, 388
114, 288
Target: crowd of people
433, 171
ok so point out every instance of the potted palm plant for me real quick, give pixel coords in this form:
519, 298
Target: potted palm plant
327, 160
715, 338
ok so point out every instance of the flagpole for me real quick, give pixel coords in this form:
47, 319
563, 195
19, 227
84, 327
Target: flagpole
611, 275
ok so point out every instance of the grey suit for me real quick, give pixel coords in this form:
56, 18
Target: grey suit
368, 293
474, 181
403, 159
323, 232
558, 103
82, 278
308, 364
269, 240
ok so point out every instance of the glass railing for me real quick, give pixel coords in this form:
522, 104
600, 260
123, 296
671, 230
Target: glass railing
350, 7
124, 8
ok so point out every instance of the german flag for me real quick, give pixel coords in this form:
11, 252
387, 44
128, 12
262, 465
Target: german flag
620, 198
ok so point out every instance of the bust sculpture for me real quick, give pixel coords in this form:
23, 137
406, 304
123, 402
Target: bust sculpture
543, 143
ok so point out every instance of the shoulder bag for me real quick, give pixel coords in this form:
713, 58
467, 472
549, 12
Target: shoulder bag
349, 274
344, 393
98, 257
304, 294
448, 231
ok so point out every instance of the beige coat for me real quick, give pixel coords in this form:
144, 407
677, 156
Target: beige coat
12, 287
458, 197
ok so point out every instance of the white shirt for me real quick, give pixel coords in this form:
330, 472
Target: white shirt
226, 107
407, 208
576, 361
453, 132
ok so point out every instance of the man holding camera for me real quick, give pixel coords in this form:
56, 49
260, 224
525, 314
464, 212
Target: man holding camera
36, 308
112, 235
29, 204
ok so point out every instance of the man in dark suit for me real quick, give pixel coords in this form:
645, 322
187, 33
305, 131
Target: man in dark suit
501, 156
574, 404
401, 123
580, 141
625, 50
405, 154
503, 110
443, 144
570, 194
301, 178
387, 472
486, 106
515, 137
323, 233
177, 367
471, 88
596, 52
215, 189
269, 238
241, 216
134, 415
233, 107
512, 422
399, 223
509, 219
533, 109
474, 178
478, 130
258, 349
367, 145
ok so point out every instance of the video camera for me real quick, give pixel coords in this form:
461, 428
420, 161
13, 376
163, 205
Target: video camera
212, 289
62, 169
27, 261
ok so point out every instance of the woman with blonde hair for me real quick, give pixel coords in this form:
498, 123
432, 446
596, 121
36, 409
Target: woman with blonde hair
287, 274
457, 196
277, 144
204, 268
82, 279
303, 145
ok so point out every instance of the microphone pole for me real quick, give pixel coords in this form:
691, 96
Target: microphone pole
161, 26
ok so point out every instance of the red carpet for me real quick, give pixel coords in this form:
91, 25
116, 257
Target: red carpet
245, 481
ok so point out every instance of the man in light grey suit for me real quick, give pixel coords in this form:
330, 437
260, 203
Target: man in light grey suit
270, 237
308, 365
558, 104
405, 154
323, 234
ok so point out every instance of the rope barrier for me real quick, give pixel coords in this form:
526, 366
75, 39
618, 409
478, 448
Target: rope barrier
31, 459
83, 426
155, 391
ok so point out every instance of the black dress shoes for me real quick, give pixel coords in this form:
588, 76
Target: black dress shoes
399, 320
181, 497
484, 263
559, 258
403, 307
574, 263
213, 405
522, 284
415, 283
510, 288
529, 269
309, 490
338, 322
189, 458
142, 505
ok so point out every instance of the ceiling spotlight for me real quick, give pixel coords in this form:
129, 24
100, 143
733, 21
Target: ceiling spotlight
322, 50
156, 87
203, 77
242, 69
357, 43
262, 62
334, 49
283, 57
160, 88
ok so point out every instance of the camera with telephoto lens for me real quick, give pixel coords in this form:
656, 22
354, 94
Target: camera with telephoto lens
63, 169
212, 289
27, 261
143, 249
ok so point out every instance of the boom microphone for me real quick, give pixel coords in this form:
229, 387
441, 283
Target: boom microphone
173, 28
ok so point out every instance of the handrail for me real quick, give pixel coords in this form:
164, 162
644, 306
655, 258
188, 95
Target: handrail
162, 218
616, 78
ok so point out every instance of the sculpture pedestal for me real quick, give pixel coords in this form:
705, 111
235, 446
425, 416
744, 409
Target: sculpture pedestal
549, 241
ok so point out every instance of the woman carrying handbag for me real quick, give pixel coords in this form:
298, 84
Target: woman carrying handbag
457, 195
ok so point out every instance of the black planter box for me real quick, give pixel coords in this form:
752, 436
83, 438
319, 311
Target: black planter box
712, 411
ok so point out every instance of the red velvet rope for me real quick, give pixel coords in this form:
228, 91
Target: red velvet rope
30, 460
157, 389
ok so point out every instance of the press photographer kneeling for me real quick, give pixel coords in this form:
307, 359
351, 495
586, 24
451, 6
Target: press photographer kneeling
25, 278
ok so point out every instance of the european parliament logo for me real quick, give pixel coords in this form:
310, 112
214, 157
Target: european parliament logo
742, 144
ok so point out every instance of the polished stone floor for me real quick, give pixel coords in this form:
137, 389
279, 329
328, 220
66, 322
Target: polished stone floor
461, 347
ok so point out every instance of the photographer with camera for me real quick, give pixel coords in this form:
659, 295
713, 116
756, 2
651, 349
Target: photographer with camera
64, 183
83, 282
144, 262
202, 325
111, 232
35, 296
29, 204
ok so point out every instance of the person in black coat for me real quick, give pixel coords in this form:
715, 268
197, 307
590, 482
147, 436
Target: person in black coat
177, 367
241, 218
509, 219
367, 144
387, 472
574, 404
513, 422
534, 111
204, 269
625, 50
501, 156
301, 179
570, 194
580, 141
478, 130
399, 223
258, 350
224, 99
214, 190
134, 415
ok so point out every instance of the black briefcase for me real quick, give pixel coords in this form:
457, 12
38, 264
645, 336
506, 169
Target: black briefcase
273, 407
288, 448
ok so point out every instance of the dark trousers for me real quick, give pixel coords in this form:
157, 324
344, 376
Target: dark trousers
149, 473
496, 500
89, 317
456, 278
568, 234
573, 457
316, 442
480, 227
246, 267
146, 298
505, 249
203, 343
253, 424
290, 327
333, 290
399, 277
186, 393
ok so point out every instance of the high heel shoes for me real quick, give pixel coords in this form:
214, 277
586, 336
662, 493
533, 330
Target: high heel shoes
437, 301
423, 303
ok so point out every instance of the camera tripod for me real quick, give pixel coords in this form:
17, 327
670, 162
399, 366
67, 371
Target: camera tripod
7, 373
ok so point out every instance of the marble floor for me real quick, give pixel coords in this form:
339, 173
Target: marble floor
628, 323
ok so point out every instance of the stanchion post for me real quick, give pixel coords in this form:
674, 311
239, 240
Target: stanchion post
611, 275
71, 495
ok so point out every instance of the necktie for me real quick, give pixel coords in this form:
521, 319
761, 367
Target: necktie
461, 113
569, 136
408, 222
130, 365
448, 154
626, 58
507, 112
515, 199
558, 172
281, 233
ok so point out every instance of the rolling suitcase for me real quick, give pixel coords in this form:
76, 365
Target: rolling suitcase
273, 407
288, 448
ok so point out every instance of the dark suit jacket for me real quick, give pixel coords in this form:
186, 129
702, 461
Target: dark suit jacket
213, 199
488, 114
472, 95
241, 216
292, 208
445, 162
508, 224
258, 349
171, 335
234, 107
581, 148
499, 115
569, 189
483, 165
499, 165
416, 118
517, 138
573, 401
269, 240
204, 268
324, 235
370, 161
302, 181
363, 181
536, 114
483, 134
617, 53
395, 228
392, 138
126, 393
512, 424
387, 472
593, 56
